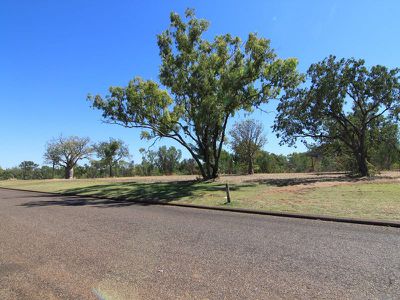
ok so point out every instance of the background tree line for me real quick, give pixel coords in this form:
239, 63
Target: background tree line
246, 140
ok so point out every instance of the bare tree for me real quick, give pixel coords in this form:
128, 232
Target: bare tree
247, 139
66, 152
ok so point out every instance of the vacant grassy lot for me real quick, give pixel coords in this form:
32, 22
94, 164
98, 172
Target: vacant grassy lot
324, 194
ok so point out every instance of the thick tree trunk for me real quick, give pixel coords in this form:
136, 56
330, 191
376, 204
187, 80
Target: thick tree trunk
361, 156
208, 171
110, 169
363, 165
215, 168
201, 168
250, 169
215, 172
69, 172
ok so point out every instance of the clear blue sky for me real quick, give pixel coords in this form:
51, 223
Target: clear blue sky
53, 53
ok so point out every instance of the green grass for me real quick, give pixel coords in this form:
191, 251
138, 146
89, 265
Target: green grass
371, 200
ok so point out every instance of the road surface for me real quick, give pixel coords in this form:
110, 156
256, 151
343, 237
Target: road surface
55, 247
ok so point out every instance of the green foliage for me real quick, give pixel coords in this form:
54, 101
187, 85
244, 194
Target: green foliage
164, 161
168, 159
271, 163
28, 168
148, 166
299, 162
189, 167
385, 146
227, 163
344, 103
111, 152
204, 83
97, 169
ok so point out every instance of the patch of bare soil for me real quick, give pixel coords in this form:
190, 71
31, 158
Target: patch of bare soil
302, 182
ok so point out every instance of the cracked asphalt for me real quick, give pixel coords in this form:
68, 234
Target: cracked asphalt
56, 247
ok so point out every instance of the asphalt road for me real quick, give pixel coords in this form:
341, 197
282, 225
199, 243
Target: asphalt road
54, 247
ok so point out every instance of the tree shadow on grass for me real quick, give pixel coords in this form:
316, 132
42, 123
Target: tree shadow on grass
282, 182
130, 193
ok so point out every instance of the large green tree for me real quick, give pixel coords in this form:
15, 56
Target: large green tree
203, 84
111, 152
343, 103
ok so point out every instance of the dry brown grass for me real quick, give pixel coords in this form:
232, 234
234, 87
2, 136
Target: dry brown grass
283, 179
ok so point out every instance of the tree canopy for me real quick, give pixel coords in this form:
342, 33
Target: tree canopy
168, 159
28, 167
247, 138
345, 102
111, 152
67, 151
203, 83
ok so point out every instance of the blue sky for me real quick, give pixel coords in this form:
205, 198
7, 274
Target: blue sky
53, 53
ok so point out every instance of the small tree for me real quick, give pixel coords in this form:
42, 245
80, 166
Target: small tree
344, 103
188, 166
52, 156
204, 83
247, 138
68, 151
28, 167
111, 152
148, 165
168, 159
227, 164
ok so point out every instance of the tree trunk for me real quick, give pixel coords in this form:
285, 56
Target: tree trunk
361, 156
69, 172
201, 168
111, 173
250, 169
53, 171
363, 165
214, 173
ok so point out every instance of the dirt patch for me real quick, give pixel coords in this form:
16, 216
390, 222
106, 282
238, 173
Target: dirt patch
299, 183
